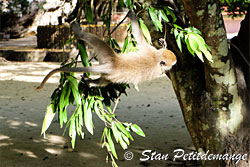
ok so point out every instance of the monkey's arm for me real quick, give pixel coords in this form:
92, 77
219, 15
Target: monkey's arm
137, 32
105, 53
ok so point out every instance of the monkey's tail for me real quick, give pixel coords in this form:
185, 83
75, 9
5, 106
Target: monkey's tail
66, 69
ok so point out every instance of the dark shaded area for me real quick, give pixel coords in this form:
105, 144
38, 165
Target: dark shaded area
53, 36
242, 43
76, 12
240, 53
11, 23
56, 56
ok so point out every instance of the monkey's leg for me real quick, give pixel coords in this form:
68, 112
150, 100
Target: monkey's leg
98, 82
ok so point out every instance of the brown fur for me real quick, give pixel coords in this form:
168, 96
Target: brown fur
140, 66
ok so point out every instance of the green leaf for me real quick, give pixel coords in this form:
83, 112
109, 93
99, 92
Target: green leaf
69, 40
103, 134
178, 41
206, 52
154, 18
208, 48
61, 118
114, 164
55, 94
111, 143
193, 29
111, 44
163, 15
122, 142
193, 42
71, 97
99, 97
115, 131
80, 115
55, 99
62, 104
108, 118
123, 130
128, 4
176, 33
189, 48
199, 54
89, 15
49, 115
126, 139
74, 86
171, 13
145, 31
72, 133
107, 146
178, 36
65, 117
91, 102
77, 125
97, 110
73, 117
137, 130
88, 117
125, 45
116, 45
79, 121
131, 47
83, 54
198, 38
198, 45
177, 27
66, 100
62, 97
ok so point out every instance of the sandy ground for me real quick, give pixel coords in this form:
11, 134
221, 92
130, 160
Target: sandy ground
154, 108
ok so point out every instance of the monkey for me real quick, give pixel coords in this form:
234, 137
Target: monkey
145, 64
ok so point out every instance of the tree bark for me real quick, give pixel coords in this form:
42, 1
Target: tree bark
215, 113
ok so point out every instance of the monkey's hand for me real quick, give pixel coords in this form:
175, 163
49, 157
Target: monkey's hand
131, 15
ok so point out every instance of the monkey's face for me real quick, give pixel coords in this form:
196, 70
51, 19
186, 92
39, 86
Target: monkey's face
167, 59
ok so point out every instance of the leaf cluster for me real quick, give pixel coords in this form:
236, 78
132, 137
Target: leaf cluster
191, 36
195, 44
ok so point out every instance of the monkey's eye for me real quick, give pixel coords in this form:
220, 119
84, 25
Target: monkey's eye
162, 63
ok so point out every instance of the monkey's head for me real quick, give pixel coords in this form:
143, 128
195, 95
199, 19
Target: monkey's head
166, 59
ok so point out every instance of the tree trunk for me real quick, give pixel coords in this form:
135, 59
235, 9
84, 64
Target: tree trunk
215, 113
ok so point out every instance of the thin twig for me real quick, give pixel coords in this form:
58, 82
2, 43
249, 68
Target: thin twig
116, 103
119, 23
